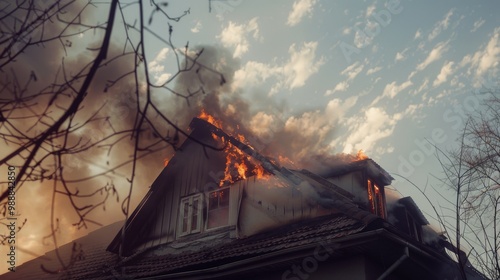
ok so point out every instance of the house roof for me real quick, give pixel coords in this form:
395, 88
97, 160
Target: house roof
88, 252
96, 263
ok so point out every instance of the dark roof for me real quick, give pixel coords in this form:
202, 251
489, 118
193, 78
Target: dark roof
155, 261
97, 263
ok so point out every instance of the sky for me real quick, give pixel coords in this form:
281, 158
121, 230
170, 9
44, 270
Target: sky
391, 78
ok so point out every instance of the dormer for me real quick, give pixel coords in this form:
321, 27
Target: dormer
366, 181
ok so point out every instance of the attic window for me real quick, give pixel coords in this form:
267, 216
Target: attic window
218, 208
376, 199
190, 214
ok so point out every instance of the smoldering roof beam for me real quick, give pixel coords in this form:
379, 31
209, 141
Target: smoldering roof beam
266, 163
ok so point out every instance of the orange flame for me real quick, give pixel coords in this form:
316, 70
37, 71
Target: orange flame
239, 166
209, 118
165, 162
361, 155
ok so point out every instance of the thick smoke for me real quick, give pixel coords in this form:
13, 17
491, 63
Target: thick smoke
299, 141
29, 83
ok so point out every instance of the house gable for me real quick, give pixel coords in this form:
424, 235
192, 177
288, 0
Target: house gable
191, 171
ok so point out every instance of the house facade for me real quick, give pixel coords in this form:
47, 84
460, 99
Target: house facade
258, 220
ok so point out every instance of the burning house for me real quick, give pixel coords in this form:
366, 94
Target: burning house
221, 210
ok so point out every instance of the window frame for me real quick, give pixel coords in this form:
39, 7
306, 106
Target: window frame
376, 201
190, 200
228, 207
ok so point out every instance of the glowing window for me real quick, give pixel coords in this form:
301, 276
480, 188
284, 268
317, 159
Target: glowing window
218, 208
376, 199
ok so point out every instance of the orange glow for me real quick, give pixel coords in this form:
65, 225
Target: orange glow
209, 118
165, 162
239, 165
283, 160
361, 155
242, 170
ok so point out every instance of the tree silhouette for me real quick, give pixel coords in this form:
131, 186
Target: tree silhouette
472, 171
75, 84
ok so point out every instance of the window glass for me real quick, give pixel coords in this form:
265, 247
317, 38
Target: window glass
218, 208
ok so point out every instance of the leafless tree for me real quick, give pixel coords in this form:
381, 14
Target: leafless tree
75, 84
472, 171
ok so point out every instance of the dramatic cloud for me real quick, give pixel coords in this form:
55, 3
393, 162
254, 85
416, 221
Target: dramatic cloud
301, 64
235, 36
366, 130
311, 132
301, 8
253, 73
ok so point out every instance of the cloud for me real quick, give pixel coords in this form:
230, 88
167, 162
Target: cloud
418, 34
262, 124
392, 89
197, 27
369, 10
314, 128
300, 9
477, 24
401, 56
341, 86
422, 87
253, 73
434, 55
350, 72
446, 70
440, 26
373, 70
294, 73
412, 109
361, 39
366, 130
302, 64
235, 35
485, 59
346, 30
157, 68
